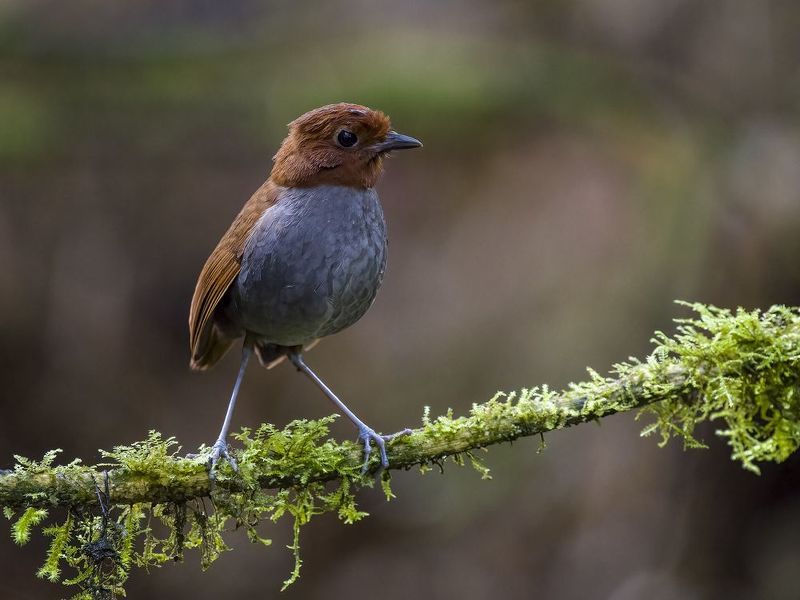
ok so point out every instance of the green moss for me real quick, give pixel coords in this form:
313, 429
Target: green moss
743, 368
51, 569
21, 529
740, 369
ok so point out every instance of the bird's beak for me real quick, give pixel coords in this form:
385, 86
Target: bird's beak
396, 141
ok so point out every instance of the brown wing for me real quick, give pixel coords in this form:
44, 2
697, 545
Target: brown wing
207, 341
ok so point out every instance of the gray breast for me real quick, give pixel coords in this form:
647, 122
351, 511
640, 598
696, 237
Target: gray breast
312, 265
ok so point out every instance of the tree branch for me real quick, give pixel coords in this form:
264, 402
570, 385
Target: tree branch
499, 420
741, 369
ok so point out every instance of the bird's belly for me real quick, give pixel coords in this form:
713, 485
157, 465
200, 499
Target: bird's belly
312, 266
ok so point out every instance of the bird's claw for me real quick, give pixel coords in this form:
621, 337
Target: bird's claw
397, 434
220, 451
367, 435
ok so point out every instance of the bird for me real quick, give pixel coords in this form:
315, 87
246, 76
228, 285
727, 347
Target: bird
303, 259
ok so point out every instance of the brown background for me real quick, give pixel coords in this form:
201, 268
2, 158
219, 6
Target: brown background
585, 163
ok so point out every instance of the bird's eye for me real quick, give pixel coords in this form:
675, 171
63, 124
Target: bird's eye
346, 139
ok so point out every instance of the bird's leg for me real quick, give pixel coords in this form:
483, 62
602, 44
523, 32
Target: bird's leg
365, 434
220, 447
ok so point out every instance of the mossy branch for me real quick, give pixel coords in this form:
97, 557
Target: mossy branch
741, 369
138, 473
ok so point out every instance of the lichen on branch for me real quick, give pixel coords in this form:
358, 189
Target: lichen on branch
740, 369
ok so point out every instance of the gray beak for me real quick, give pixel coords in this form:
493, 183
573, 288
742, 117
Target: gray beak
397, 141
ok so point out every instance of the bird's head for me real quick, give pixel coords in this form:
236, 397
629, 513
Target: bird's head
337, 144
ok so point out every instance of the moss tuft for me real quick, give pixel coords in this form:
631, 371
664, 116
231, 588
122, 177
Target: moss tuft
743, 368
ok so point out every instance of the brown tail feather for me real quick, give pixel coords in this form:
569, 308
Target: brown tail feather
210, 349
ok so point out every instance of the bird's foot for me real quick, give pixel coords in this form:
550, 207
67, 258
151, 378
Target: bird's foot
368, 435
219, 451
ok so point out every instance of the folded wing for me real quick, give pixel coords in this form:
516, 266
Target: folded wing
208, 340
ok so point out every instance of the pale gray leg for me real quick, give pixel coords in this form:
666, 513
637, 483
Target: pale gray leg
220, 447
365, 433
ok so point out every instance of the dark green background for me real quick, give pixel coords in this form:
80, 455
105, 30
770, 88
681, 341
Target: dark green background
585, 163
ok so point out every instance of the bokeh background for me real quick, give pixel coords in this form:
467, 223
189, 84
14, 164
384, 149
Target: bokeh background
585, 163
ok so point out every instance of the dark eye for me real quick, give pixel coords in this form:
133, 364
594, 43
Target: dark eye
346, 138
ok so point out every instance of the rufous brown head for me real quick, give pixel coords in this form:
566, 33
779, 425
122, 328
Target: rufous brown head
337, 144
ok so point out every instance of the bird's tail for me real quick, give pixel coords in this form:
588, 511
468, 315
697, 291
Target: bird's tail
210, 348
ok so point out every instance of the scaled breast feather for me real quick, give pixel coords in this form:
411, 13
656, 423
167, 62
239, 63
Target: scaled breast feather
218, 274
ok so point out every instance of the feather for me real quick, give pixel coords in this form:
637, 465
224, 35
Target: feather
208, 340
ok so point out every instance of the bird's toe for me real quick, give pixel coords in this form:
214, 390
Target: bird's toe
219, 452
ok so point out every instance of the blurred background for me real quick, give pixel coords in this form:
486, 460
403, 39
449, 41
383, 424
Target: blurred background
585, 163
